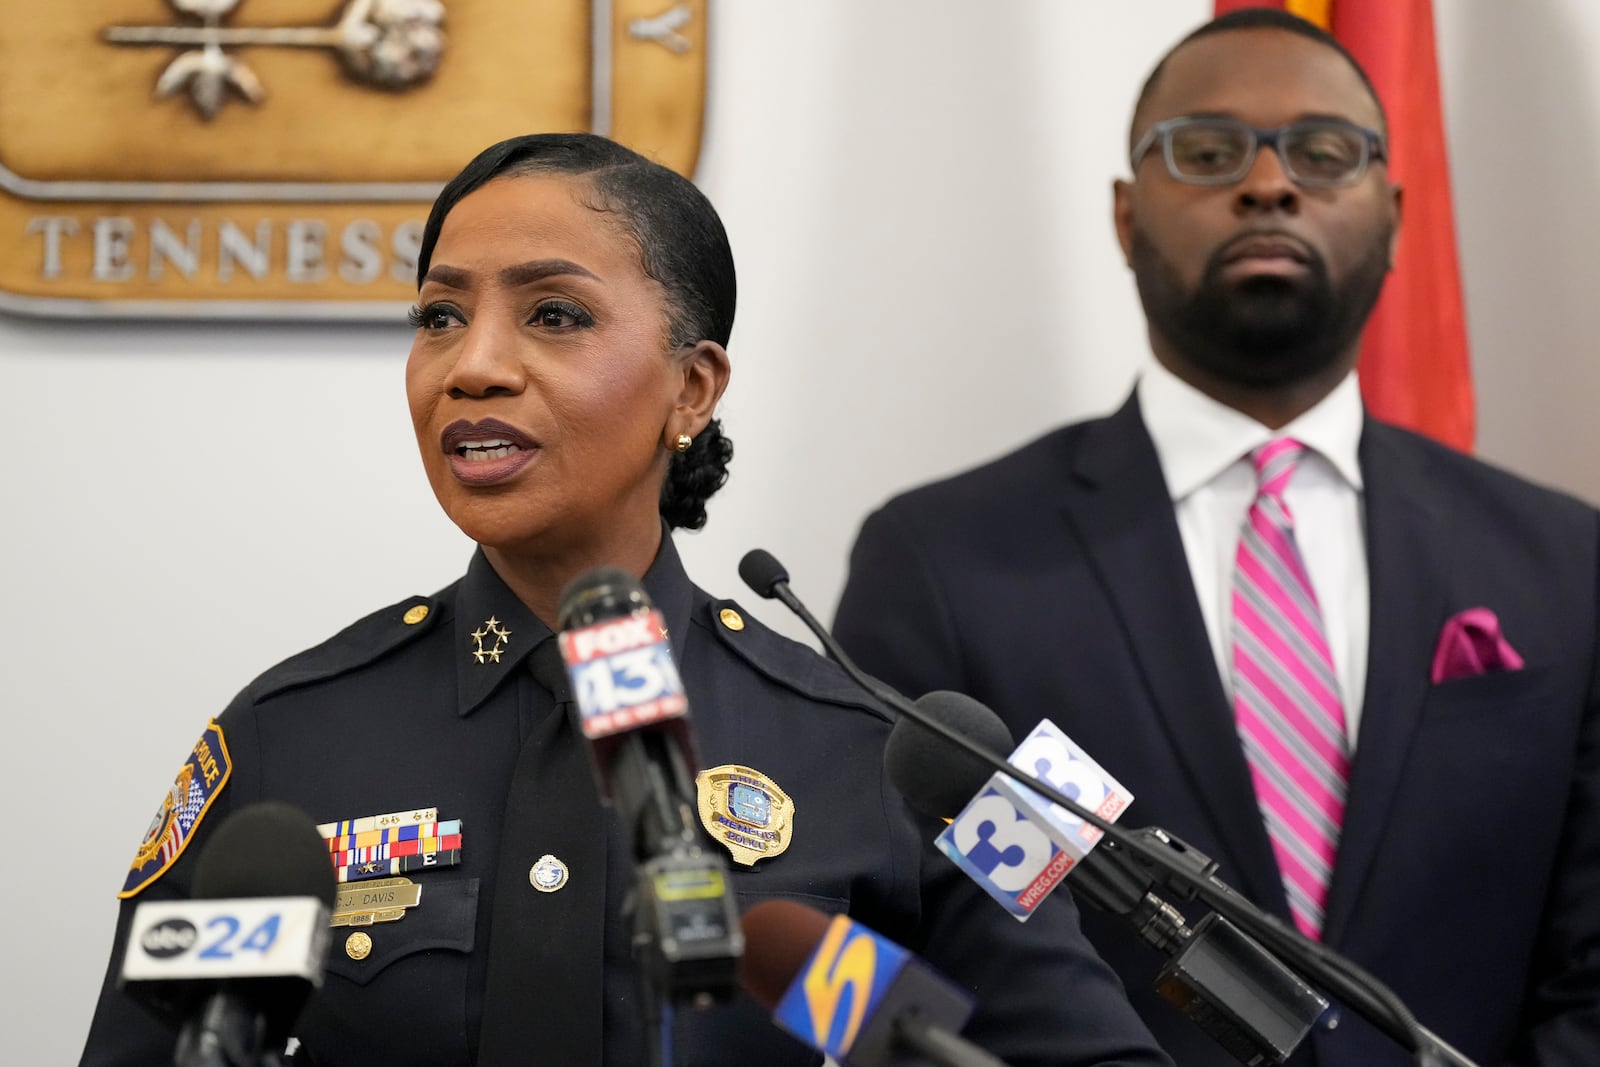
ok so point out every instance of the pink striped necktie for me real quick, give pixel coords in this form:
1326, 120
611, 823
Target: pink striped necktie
1286, 696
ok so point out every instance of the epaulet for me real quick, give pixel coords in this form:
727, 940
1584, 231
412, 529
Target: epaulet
783, 661
355, 646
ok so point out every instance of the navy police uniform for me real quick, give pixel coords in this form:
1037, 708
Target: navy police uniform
445, 702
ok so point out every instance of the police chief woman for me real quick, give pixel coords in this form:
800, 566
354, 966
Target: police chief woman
573, 309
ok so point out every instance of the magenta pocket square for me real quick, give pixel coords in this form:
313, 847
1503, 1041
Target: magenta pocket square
1471, 644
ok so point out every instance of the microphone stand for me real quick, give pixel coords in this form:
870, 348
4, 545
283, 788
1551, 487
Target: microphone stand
226, 1034
938, 1046
1353, 985
682, 908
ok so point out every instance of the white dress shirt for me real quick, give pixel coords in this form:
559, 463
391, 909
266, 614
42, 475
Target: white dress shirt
1204, 448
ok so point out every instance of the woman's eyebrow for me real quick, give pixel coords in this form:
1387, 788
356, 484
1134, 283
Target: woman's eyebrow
539, 269
520, 274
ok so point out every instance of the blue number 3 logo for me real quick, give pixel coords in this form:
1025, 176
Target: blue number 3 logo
1002, 843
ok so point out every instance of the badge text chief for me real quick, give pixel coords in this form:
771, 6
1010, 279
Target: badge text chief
622, 673
1018, 846
303, 199
841, 986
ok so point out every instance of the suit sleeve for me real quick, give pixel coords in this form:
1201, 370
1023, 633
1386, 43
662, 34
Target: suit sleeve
1043, 996
1561, 1022
894, 617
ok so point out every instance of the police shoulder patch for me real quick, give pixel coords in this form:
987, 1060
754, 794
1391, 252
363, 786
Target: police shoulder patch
199, 782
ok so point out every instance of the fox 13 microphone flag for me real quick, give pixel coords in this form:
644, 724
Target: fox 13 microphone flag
1415, 369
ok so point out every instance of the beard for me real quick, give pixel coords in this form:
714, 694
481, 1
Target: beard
1263, 332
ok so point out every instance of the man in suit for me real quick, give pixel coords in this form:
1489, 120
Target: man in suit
1356, 668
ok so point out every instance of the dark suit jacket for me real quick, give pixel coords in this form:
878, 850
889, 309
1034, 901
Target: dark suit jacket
1053, 583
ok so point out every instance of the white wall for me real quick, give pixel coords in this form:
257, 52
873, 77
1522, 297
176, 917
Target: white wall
918, 200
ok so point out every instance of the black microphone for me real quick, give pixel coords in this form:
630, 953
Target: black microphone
852, 993
630, 707
238, 960
767, 578
1352, 984
912, 748
940, 781
762, 572
1223, 981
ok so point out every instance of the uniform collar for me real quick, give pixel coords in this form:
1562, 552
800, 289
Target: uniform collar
1196, 437
495, 632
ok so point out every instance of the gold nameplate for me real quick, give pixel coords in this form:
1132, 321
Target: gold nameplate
381, 900
239, 157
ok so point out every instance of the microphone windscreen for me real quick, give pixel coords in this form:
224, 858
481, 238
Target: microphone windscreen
598, 594
762, 572
779, 937
935, 776
268, 849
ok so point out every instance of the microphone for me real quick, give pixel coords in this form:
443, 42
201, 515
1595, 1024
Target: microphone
237, 962
913, 747
1223, 981
851, 993
631, 709
1369, 997
1012, 842
762, 572
766, 577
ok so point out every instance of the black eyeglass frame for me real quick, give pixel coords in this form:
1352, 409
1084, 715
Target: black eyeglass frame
1373, 148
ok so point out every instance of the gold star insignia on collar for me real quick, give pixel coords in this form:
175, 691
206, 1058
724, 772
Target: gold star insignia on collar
502, 638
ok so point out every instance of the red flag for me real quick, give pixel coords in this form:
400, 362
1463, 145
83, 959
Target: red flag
1414, 365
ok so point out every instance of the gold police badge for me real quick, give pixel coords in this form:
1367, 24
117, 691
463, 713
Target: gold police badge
746, 811
237, 158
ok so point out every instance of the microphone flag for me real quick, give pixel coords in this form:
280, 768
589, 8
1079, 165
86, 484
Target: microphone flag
622, 674
855, 985
1018, 846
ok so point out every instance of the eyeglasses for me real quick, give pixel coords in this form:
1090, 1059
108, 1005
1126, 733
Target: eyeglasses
1314, 153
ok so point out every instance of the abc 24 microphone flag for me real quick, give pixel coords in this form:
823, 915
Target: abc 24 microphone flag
277, 158
1415, 369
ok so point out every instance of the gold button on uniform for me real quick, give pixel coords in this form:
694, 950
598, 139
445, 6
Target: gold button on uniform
415, 614
732, 619
358, 946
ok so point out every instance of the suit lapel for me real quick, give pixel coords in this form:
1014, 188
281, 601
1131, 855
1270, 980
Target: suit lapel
1406, 524
1119, 506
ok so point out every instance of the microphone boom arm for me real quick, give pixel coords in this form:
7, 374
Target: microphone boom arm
1346, 980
